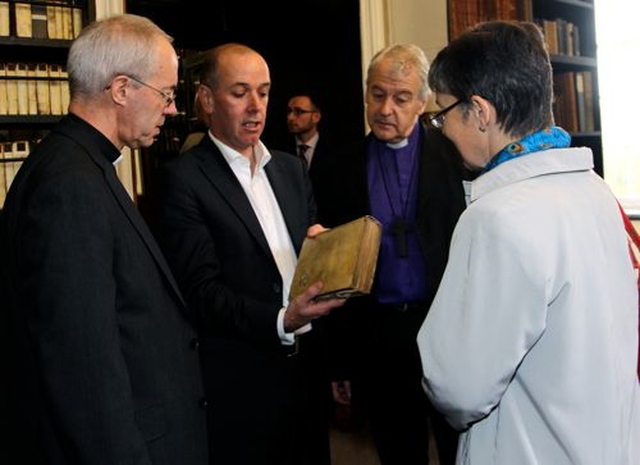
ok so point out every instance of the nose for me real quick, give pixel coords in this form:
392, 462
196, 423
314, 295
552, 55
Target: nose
256, 101
171, 109
386, 108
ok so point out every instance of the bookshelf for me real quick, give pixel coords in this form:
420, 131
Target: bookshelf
35, 37
569, 28
574, 59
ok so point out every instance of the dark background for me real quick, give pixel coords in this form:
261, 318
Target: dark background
312, 44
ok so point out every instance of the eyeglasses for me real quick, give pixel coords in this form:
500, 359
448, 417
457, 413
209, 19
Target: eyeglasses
299, 111
437, 120
168, 97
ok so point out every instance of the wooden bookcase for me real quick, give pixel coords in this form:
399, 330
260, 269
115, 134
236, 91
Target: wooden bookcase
569, 27
35, 37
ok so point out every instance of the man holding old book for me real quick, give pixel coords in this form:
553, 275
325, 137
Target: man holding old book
410, 179
234, 216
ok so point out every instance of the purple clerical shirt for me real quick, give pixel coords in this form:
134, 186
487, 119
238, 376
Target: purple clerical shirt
393, 192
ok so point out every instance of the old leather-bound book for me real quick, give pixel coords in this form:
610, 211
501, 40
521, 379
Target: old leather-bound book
343, 258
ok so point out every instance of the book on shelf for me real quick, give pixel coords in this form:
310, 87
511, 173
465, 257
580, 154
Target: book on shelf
344, 258
4, 108
61, 18
65, 95
42, 89
61, 22
23, 20
550, 30
588, 102
52, 27
580, 102
23, 89
77, 21
12, 89
4, 19
565, 105
464, 14
55, 89
32, 89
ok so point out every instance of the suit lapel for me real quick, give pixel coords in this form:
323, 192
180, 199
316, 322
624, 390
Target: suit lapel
76, 129
219, 173
141, 227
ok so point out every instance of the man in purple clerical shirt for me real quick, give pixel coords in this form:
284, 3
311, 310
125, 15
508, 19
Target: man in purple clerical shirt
409, 177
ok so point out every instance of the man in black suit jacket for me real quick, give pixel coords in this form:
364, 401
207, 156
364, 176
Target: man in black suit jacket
102, 367
233, 218
410, 178
304, 116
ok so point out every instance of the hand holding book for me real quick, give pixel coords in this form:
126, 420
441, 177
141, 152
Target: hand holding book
343, 258
305, 307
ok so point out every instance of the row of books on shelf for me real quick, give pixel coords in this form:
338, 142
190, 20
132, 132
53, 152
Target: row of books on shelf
12, 154
53, 19
33, 89
562, 36
573, 106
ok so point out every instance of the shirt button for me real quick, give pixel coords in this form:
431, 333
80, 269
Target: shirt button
203, 403
194, 343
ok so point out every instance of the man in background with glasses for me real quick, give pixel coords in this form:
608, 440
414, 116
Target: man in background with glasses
410, 178
304, 116
101, 362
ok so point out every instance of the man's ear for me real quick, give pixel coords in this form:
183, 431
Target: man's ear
205, 97
118, 89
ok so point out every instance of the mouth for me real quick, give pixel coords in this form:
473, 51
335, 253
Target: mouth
252, 125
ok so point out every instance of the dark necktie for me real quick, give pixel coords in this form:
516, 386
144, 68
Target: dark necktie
302, 149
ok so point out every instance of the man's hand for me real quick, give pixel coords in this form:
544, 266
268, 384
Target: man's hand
315, 229
304, 308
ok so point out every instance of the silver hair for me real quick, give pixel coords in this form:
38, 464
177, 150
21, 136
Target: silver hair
405, 58
121, 44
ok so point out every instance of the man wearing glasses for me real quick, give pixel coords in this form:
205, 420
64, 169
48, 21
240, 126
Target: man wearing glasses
303, 117
101, 363
304, 114
410, 178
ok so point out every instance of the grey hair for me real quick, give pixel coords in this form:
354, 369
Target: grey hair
121, 44
405, 58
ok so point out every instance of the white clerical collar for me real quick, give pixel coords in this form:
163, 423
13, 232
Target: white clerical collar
118, 160
399, 145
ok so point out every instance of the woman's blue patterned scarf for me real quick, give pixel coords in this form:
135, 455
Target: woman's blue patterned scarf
549, 138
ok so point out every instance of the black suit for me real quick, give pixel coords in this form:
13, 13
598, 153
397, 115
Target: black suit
266, 403
320, 167
102, 367
374, 345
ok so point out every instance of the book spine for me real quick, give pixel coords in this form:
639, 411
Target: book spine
23, 20
42, 89
4, 108
32, 89
23, 89
5, 29
12, 90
